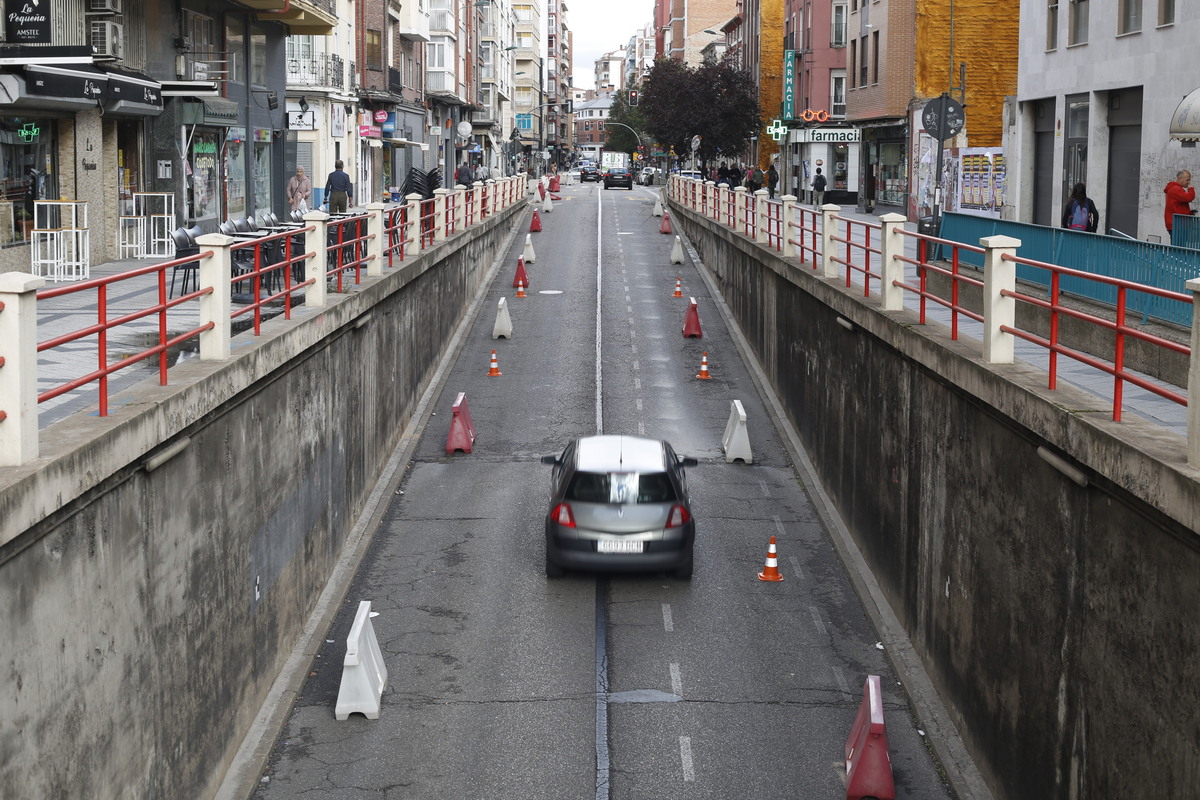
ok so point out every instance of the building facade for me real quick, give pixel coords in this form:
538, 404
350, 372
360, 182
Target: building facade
1098, 93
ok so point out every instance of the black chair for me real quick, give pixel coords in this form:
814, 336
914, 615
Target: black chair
227, 228
244, 225
195, 232
298, 216
185, 246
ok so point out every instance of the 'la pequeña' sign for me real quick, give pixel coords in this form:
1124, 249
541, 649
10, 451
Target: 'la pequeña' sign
27, 21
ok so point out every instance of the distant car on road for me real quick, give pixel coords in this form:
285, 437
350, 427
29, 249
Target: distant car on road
619, 503
588, 171
618, 176
646, 176
690, 173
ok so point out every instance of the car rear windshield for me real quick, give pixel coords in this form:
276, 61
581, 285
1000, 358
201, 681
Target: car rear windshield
621, 487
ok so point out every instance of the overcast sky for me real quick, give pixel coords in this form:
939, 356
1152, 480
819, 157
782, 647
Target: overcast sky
600, 26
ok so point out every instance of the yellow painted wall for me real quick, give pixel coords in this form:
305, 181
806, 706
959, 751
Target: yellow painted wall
770, 79
985, 38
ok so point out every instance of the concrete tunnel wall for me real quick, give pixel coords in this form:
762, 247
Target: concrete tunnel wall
1058, 622
144, 615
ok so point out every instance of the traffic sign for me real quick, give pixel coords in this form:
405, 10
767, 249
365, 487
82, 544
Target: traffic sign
695, 143
943, 118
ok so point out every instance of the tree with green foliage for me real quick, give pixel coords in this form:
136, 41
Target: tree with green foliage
715, 101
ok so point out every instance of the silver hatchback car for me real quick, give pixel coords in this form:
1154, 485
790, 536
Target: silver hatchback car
619, 503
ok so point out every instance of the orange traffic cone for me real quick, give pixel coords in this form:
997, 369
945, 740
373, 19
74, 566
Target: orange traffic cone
494, 372
520, 288
665, 225
678, 288
771, 570
535, 225
521, 276
704, 376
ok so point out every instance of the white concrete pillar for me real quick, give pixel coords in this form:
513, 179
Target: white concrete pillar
378, 238
787, 218
760, 216
829, 229
739, 207
439, 214
998, 276
316, 242
1193, 416
18, 368
216, 273
412, 226
891, 269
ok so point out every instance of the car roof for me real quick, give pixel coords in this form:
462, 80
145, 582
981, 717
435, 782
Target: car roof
620, 454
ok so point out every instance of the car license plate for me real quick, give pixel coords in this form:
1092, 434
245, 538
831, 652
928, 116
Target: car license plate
619, 546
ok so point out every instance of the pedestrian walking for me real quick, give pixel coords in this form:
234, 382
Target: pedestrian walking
299, 189
772, 180
1080, 213
818, 185
463, 175
338, 189
1180, 196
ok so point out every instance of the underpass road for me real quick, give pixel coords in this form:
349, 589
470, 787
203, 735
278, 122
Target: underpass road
719, 687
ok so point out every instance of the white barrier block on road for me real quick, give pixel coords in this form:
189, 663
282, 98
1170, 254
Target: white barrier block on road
736, 440
503, 326
658, 207
529, 255
547, 204
677, 251
363, 672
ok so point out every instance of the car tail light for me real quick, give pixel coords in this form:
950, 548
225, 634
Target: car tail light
563, 516
678, 516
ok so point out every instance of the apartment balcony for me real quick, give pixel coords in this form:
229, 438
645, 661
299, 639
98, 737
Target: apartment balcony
316, 17
443, 85
413, 23
320, 70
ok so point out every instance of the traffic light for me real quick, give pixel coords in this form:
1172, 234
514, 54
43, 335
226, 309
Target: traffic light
633, 93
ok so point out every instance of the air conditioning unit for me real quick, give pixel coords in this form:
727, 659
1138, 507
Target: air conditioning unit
108, 39
104, 6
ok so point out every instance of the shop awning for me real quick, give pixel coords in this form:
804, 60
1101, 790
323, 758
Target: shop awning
211, 111
74, 82
132, 93
402, 142
1185, 122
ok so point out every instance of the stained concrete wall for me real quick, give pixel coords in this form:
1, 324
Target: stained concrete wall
1056, 620
144, 615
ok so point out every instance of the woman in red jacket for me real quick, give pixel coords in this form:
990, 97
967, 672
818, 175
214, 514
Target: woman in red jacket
1180, 195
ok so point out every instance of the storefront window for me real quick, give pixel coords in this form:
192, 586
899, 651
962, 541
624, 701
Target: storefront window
128, 177
235, 174
28, 172
204, 197
841, 160
892, 173
262, 175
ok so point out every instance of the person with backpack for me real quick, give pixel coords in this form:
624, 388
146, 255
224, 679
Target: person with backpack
1080, 213
818, 184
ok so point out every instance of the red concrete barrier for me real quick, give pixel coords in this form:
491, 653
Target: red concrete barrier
868, 763
462, 430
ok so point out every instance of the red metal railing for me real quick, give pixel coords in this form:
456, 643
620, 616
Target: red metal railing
774, 224
104, 324
925, 266
730, 208
749, 224
808, 237
428, 223
347, 249
451, 216
1121, 331
863, 247
395, 233
268, 269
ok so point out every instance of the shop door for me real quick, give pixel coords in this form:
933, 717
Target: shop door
1124, 158
1043, 179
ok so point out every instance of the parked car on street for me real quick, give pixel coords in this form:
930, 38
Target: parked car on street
618, 176
619, 503
646, 176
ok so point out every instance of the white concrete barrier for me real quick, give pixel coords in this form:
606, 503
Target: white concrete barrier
736, 440
529, 255
363, 672
503, 326
677, 251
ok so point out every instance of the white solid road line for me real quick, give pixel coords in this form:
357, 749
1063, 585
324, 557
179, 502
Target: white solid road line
668, 622
685, 755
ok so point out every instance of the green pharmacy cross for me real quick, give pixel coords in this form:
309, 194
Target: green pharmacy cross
777, 130
29, 132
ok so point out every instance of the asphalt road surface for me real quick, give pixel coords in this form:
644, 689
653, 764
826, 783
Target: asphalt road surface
505, 684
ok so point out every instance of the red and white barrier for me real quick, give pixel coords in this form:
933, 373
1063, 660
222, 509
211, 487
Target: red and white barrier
462, 430
363, 672
736, 439
868, 763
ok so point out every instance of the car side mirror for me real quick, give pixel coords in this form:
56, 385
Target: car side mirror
688, 461
549, 459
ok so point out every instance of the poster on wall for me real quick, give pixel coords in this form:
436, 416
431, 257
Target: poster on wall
980, 185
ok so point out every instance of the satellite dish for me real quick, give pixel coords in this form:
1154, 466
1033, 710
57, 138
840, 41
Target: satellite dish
464, 129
